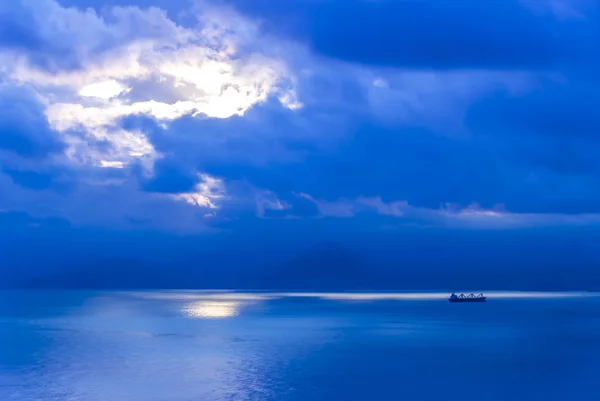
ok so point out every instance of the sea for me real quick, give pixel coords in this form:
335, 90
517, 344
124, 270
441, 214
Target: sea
268, 346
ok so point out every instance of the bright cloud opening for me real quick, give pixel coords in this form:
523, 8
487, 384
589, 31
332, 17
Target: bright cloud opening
102, 90
207, 193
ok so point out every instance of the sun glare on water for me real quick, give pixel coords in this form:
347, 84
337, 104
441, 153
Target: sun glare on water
211, 309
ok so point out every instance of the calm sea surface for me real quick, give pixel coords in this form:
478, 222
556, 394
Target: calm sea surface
172, 346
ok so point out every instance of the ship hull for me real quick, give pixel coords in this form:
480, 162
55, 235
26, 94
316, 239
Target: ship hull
466, 300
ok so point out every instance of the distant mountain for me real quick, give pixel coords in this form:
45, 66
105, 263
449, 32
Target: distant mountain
327, 266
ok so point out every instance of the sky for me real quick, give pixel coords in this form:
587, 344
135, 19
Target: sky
421, 133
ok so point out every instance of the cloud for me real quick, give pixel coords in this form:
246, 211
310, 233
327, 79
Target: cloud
386, 209
439, 100
340, 208
23, 129
461, 34
187, 119
79, 74
29, 179
475, 217
206, 193
91, 70
559, 108
169, 177
451, 216
441, 35
267, 200
112, 204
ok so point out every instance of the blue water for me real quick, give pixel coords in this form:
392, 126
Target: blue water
172, 346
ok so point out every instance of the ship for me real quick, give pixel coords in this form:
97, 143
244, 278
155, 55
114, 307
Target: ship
467, 298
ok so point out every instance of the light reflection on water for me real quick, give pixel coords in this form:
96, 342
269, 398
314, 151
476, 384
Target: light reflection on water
193, 345
211, 309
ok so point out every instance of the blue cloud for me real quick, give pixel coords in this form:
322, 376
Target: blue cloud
18, 28
23, 127
460, 34
418, 166
169, 178
38, 31
29, 179
563, 109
